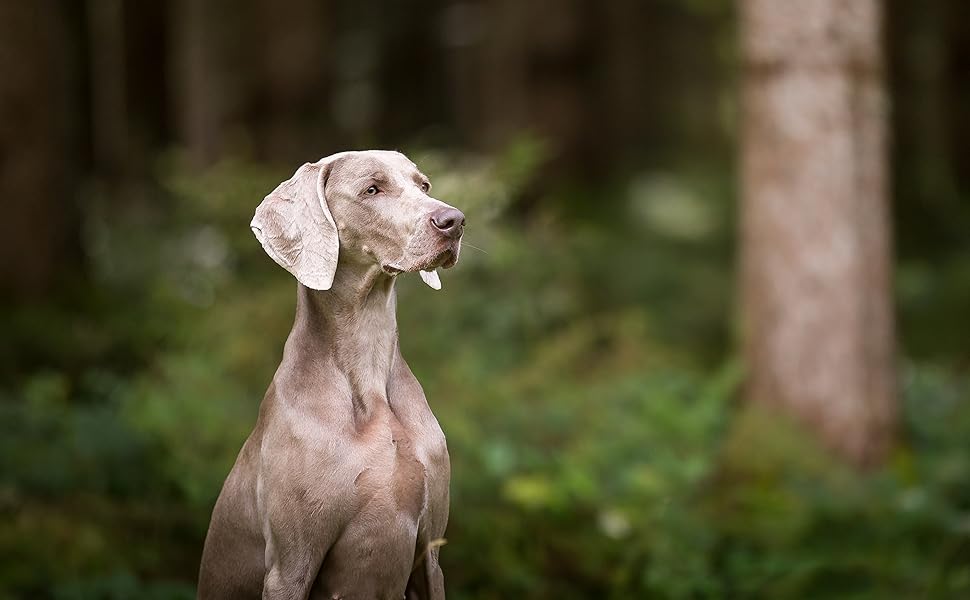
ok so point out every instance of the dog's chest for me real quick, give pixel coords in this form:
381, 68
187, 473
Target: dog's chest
404, 466
410, 477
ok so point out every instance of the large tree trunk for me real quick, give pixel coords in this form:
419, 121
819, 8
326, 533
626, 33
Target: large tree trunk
816, 280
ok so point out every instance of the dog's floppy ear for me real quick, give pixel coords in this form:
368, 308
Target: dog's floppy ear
295, 227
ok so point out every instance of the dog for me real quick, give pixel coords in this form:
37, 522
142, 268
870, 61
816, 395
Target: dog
341, 490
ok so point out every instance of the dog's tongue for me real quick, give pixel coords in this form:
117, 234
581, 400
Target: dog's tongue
431, 278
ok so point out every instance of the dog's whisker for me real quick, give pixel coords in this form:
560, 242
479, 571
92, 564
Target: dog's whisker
475, 247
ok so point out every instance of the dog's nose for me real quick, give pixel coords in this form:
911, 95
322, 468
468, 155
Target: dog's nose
448, 221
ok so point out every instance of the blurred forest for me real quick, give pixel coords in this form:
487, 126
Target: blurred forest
589, 362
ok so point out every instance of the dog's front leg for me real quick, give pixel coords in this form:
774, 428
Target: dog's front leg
297, 541
290, 571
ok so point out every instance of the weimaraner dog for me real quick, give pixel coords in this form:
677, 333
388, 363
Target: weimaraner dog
341, 490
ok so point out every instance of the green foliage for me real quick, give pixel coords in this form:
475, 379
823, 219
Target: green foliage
580, 369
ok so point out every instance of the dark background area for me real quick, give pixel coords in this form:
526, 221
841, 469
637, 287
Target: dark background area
582, 360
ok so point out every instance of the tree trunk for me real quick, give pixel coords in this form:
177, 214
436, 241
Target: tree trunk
109, 114
205, 93
39, 241
816, 276
290, 76
522, 68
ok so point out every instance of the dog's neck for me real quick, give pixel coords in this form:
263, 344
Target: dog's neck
352, 326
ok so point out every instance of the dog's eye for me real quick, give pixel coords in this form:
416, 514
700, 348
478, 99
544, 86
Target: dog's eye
372, 190
425, 187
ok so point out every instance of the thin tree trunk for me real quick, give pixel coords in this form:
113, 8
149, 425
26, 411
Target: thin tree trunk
109, 114
816, 275
199, 82
521, 68
290, 76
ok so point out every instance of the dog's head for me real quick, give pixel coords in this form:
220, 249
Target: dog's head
368, 208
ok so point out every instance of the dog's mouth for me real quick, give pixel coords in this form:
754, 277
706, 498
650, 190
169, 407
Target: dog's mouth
445, 259
448, 258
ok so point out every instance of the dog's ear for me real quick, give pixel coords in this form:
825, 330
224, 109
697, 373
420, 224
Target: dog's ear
295, 227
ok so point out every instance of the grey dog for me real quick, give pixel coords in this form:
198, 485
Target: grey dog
341, 490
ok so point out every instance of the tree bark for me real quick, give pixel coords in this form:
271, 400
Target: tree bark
815, 253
